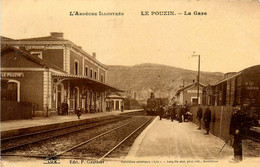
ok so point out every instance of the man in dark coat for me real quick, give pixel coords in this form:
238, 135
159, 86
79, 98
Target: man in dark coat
238, 128
78, 112
199, 116
179, 113
122, 108
65, 108
207, 119
173, 113
161, 112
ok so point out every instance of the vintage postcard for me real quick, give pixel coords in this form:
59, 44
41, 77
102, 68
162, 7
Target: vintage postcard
130, 83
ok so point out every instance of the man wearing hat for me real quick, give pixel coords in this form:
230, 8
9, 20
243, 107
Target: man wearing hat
199, 115
207, 119
238, 126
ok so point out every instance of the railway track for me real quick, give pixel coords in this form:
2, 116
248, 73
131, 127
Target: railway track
122, 141
99, 137
61, 154
11, 143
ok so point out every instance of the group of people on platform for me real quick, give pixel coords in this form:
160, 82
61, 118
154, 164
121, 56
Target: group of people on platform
240, 122
180, 113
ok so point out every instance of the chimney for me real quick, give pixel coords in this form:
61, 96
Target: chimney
57, 35
94, 54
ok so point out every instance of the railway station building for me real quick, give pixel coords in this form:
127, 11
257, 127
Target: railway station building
189, 94
114, 102
48, 71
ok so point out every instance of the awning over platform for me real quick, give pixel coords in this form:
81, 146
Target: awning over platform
115, 97
86, 81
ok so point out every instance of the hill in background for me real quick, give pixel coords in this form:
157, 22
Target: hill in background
162, 80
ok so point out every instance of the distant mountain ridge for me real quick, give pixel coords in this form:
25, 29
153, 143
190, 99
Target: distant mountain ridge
163, 80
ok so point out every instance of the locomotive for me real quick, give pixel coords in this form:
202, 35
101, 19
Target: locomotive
153, 105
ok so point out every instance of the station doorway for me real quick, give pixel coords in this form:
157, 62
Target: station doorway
10, 90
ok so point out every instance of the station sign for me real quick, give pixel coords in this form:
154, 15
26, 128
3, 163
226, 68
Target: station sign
34, 47
12, 75
194, 91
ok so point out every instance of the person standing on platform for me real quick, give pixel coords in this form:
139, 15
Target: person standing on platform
179, 113
239, 124
173, 112
78, 112
122, 108
161, 112
199, 115
207, 119
185, 111
65, 108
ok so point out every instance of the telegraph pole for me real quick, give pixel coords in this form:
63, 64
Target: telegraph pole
198, 77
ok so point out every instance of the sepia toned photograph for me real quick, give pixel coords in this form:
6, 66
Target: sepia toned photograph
112, 83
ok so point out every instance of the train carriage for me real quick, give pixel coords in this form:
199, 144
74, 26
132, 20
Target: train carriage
242, 88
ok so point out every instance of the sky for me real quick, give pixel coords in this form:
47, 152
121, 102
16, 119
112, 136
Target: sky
227, 38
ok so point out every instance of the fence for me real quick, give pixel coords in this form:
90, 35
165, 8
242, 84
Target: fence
220, 120
11, 110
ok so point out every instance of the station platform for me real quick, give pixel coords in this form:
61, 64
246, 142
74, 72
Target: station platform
17, 127
174, 142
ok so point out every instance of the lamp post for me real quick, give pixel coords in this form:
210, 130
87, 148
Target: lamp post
198, 77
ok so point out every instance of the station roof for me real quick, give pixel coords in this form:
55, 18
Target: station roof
187, 87
86, 81
31, 58
115, 97
45, 40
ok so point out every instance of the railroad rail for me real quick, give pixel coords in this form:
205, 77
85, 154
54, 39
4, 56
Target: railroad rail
120, 143
48, 133
61, 154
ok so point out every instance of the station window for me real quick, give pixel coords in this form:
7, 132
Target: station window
76, 67
91, 73
86, 71
38, 54
95, 75
102, 78
194, 100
